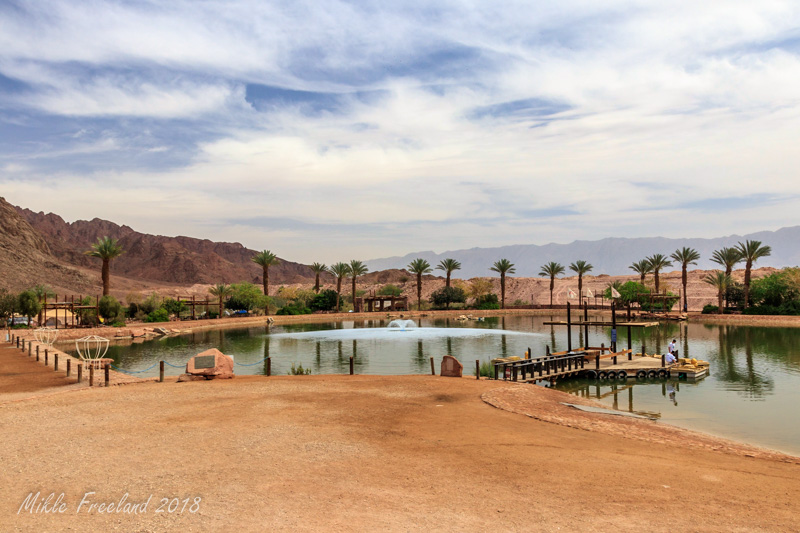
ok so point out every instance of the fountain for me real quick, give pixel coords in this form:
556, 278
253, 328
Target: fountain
401, 324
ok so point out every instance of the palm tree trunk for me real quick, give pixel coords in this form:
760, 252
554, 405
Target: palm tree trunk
503, 291
684, 279
719, 302
552, 285
105, 276
264, 280
447, 282
641, 279
354, 294
419, 292
655, 277
748, 266
316, 283
220, 307
580, 290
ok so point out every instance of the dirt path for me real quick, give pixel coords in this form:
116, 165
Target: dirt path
21, 375
365, 453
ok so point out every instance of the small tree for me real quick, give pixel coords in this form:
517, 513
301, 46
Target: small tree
220, 291
720, 281
318, 268
751, 251
173, 307
8, 304
326, 300
357, 268
419, 267
28, 304
110, 308
390, 290
642, 268
580, 267
340, 271
658, 262
551, 270
446, 295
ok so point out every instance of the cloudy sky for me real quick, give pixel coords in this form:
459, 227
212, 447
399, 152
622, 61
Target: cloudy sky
327, 131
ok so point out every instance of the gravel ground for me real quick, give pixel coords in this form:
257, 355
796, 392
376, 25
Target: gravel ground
356, 453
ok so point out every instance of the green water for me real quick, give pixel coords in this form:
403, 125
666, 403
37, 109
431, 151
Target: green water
752, 393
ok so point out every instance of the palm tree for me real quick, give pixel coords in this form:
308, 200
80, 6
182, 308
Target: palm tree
221, 291
580, 267
727, 257
720, 281
318, 269
419, 267
357, 268
751, 252
339, 271
266, 259
448, 265
657, 263
106, 249
552, 269
685, 256
642, 268
503, 267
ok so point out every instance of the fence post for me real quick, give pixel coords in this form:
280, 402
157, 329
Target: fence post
107, 372
161, 371
69, 367
477, 369
91, 374
269, 366
433, 369
80, 372
351, 365
23, 345
17, 341
37, 353
597, 362
55, 362
46, 356
663, 362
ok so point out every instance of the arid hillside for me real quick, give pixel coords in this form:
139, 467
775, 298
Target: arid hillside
174, 260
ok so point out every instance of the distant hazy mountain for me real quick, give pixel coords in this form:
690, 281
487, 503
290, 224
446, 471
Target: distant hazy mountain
608, 256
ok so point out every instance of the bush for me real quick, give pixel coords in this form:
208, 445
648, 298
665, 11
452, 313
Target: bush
173, 307
324, 301
487, 301
159, 315
710, 309
294, 309
8, 304
447, 295
390, 290
247, 297
110, 308
299, 371
118, 325
519, 302
133, 310
486, 369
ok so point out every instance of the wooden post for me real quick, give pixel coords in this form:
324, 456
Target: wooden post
597, 362
477, 369
514, 373
46, 356
643, 352
569, 327
352, 369
107, 372
91, 374
663, 361
495, 370
614, 328
23, 345
80, 372
547, 350
17, 341
161, 367
55, 362
269, 366
37, 354
30, 350
586, 326
433, 368
69, 367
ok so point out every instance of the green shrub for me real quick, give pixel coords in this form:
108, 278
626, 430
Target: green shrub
159, 315
150, 304
133, 310
118, 324
20, 326
486, 369
447, 295
710, 309
173, 307
293, 309
389, 290
324, 301
487, 302
299, 371
247, 297
110, 308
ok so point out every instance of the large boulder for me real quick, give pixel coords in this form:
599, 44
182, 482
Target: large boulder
451, 367
211, 364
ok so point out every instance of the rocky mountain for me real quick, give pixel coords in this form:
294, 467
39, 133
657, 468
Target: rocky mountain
26, 258
608, 256
178, 260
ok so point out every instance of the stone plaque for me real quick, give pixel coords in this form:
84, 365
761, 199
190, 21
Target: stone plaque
205, 361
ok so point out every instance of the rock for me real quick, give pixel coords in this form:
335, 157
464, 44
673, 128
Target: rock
188, 377
451, 367
161, 331
211, 364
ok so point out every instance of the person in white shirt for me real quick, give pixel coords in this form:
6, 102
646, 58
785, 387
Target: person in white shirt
669, 359
672, 348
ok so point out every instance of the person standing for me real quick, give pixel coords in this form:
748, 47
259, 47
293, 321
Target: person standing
672, 348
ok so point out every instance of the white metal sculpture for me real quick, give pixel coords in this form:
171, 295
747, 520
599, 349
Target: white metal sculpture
92, 348
45, 336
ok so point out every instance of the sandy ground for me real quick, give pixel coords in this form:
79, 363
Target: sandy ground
358, 453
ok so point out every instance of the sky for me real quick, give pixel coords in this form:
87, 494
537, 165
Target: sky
328, 131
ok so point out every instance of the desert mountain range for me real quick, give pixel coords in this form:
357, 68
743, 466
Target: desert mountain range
43, 248
608, 256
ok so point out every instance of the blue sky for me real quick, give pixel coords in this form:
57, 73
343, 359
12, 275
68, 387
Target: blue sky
339, 130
